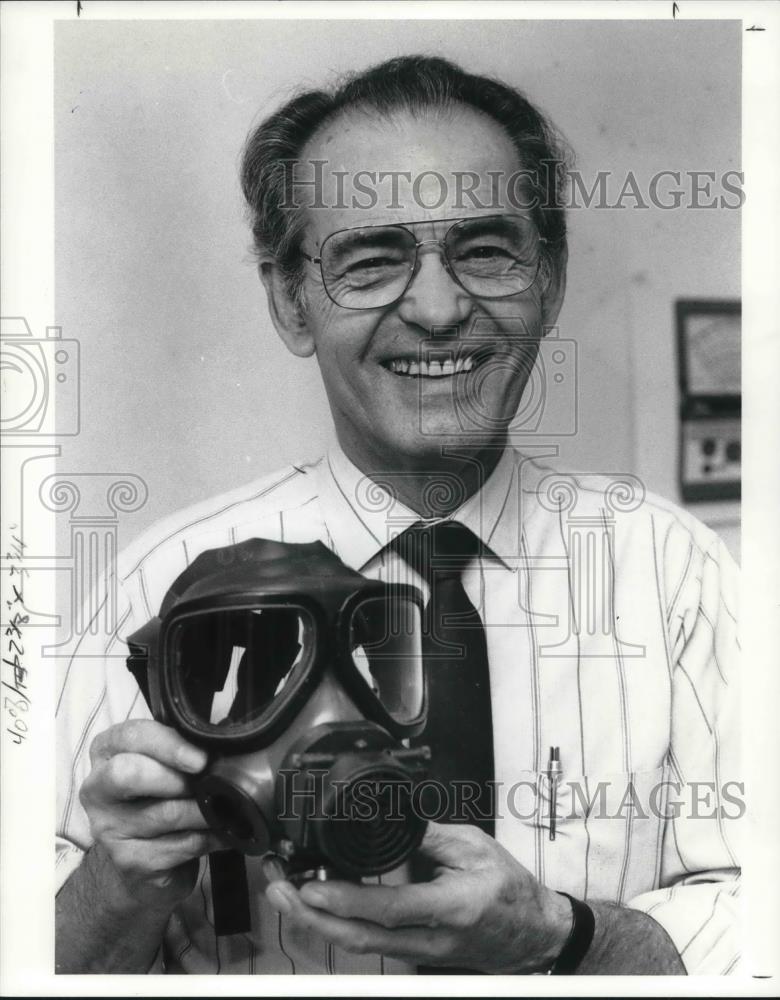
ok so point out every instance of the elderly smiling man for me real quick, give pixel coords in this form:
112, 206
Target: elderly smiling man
410, 236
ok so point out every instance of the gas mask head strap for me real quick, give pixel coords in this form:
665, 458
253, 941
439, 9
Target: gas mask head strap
229, 886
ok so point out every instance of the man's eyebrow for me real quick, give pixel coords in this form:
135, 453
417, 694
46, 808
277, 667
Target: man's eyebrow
487, 224
352, 239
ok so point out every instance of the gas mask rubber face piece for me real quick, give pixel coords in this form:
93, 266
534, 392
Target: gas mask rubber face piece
301, 678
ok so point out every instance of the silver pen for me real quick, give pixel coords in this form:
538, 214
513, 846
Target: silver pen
553, 773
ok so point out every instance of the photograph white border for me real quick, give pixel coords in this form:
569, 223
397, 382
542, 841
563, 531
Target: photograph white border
27, 288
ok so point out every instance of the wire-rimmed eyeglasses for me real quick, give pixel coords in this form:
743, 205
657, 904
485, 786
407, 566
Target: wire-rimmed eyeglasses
490, 256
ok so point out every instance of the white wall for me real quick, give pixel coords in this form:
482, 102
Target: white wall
183, 379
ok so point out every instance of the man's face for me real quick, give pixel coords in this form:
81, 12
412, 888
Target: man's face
387, 416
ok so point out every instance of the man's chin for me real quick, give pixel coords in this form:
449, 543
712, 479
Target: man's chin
430, 445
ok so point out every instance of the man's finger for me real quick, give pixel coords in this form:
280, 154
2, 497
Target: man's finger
426, 905
455, 845
420, 944
142, 736
161, 817
128, 776
162, 854
274, 867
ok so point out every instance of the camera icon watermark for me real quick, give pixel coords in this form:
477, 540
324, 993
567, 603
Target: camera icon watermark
510, 381
40, 404
40, 379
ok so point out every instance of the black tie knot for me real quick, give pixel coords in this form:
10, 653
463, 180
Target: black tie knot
443, 549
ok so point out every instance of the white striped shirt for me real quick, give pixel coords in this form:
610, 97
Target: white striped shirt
611, 630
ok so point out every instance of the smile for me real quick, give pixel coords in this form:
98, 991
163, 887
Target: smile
434, 366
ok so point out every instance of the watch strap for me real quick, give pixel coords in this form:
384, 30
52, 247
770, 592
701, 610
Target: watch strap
578, 942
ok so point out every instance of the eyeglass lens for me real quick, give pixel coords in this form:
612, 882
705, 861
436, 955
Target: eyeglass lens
371, 266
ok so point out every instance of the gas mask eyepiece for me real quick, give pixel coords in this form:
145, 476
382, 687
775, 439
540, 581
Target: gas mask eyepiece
301, 678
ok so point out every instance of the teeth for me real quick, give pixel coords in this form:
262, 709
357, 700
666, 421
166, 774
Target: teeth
433, 368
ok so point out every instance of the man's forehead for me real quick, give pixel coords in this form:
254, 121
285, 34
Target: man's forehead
364, 170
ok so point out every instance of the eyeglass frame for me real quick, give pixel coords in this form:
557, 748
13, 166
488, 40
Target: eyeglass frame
421, 243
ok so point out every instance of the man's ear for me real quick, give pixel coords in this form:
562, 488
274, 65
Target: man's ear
286, 314
555, 290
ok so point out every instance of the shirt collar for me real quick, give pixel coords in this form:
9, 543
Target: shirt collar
363, 517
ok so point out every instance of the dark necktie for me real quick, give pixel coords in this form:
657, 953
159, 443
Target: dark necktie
459, 730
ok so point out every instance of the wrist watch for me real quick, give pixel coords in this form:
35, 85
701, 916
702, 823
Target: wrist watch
583, 926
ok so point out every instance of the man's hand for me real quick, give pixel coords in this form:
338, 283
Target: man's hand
148, 833
482, 910
143, 817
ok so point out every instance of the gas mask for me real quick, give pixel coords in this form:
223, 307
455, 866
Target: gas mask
301, 678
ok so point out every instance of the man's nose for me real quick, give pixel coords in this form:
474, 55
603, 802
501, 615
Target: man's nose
433, 298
